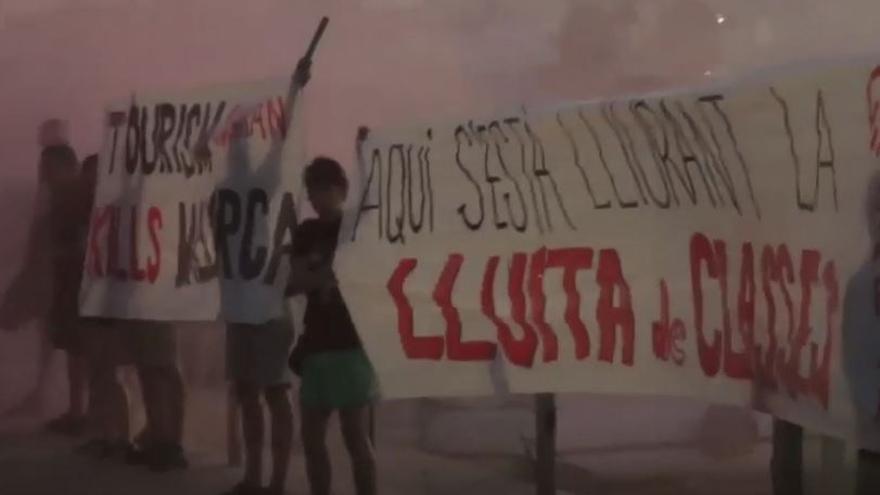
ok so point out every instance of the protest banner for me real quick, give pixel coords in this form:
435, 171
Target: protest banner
195, 209
715, 244
196, 205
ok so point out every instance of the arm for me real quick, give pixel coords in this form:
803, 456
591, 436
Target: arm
356, 189
308, 272
362, 135
304, 279
17, 304
269, 170
298, 82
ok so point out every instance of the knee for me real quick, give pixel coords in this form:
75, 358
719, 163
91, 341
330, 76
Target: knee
357, 440
362, 453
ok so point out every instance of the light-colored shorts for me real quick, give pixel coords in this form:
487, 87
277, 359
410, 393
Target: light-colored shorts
256, 355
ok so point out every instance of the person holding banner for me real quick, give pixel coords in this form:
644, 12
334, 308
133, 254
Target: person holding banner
861, 343
256, 363
329, 357
786, 463
152, 348
103, 343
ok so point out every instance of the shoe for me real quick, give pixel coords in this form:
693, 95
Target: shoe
245, 489
135, 456
68, 424
142, 438
167, 457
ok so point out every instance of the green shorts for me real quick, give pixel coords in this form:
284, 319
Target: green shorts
338, 380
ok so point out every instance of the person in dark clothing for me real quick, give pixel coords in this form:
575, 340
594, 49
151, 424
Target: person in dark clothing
151, 347
861, 343
105, 352
55, 230
256, 360
336, 373
59, 169
786, 463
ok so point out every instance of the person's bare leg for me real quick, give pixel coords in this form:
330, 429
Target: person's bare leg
32, 403
98, 408
233, 428
151, 402
117, 406
281, 412
252, 428
163, 401
314, 436
175, 401
356, 433
786, 463
111, 406
74, 421
77, 376
868, 473
166, 426
95, 413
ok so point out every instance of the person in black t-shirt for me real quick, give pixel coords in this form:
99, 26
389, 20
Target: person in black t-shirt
336, 373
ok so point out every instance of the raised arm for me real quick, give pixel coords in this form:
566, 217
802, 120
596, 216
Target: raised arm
356, 188
269, 171
301, 77
362, 135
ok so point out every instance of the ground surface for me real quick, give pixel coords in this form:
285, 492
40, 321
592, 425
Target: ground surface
32, 462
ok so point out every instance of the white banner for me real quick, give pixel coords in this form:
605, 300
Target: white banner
714, 244
184, 231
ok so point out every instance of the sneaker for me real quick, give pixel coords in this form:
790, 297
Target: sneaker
142, 438
168, 457
68, 424
135, 456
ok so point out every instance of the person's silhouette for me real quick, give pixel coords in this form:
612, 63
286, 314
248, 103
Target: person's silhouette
861, 345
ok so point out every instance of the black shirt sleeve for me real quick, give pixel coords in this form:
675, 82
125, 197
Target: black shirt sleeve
304, 238
302, 241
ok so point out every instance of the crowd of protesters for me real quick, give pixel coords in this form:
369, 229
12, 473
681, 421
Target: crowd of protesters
334, 371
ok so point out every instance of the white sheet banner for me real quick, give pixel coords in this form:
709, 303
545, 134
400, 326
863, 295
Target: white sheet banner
717, 244
184, 230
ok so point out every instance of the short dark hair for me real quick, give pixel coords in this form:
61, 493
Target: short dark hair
325, 172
